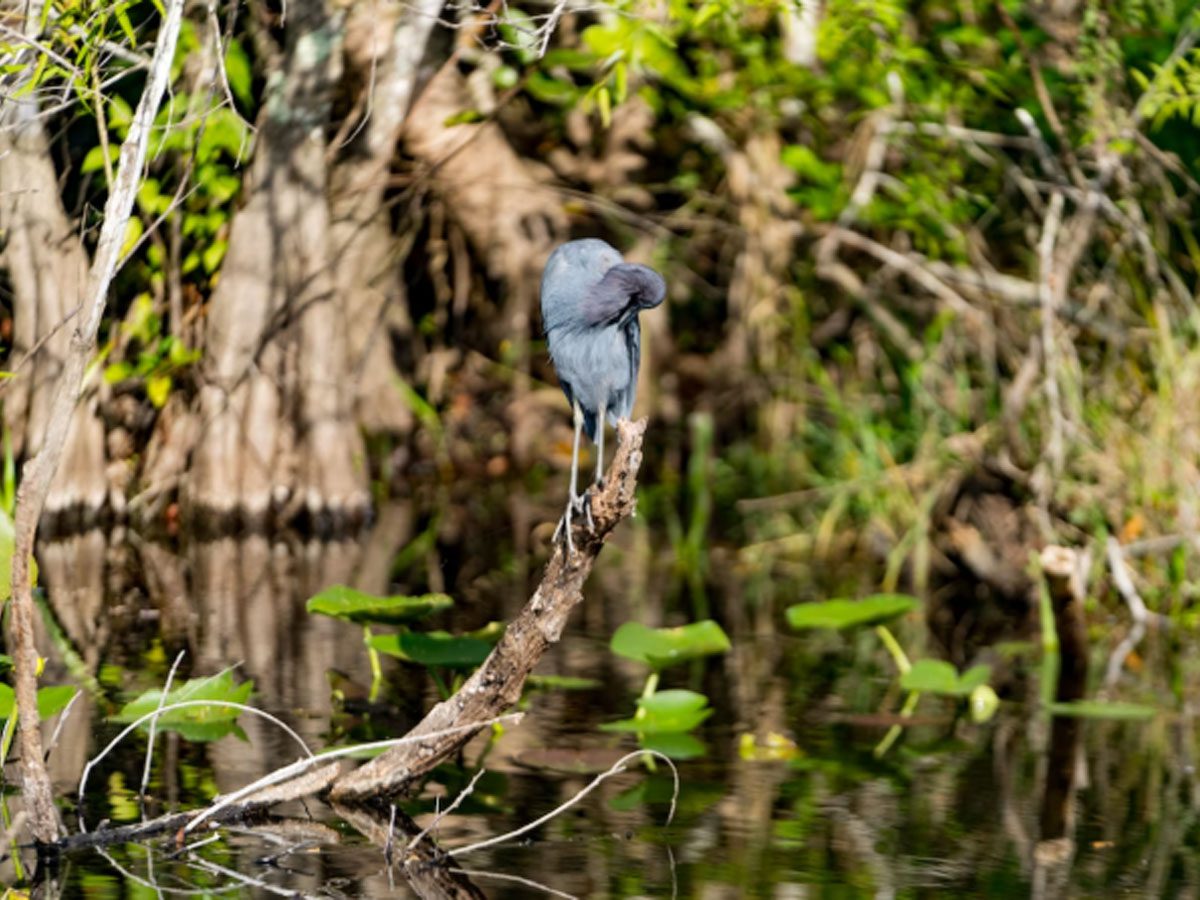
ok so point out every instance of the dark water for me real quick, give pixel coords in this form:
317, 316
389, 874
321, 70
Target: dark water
953, 807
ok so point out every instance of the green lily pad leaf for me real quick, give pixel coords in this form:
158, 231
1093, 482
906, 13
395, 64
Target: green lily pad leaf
195, 723
839, 614
675, 744
433, 648
1099, 709
974, 677
936, 676
50, 700
664, 712
662, 647
351, 605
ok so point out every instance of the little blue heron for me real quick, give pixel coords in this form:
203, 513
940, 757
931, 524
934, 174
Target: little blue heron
591, 299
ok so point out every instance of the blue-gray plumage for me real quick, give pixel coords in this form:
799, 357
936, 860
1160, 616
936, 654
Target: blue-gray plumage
590, 304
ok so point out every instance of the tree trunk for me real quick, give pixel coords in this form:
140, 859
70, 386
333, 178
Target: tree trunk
47, 267
276, 429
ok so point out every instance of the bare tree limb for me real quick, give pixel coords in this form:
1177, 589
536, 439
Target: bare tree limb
39, 471
496, 685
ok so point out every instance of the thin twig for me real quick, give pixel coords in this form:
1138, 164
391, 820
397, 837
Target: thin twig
154, 724
617, 768
463, 795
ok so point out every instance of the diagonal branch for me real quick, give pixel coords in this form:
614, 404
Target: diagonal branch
496, 685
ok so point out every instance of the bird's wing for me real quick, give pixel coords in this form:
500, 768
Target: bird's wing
633, 344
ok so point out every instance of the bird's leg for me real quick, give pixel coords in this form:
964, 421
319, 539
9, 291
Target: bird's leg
600, 450
575, 503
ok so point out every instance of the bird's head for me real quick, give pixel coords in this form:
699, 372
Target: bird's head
586, 283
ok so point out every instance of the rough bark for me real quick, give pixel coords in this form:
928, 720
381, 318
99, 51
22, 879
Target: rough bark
385, 52
497, 684
276, 428
39, 471
47, 267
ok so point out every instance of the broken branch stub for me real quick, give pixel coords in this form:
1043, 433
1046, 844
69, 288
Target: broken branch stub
497, 684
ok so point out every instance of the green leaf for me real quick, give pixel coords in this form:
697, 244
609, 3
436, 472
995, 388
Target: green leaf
934, 676
54, 699
662, 647
50, 700
238, 72
196, 723
352, 605
158, 389
519, 31
665, 711
94, 161
1099, 709
466, 117
7, 548
213, 254
133, 233
675, 744
840, 614
433, 648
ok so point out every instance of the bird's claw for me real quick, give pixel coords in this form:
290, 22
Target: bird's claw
575, 506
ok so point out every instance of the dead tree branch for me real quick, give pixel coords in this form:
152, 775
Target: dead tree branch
39, 471
497, 684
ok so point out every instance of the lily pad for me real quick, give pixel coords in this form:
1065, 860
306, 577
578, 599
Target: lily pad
1099, 709
662, 647
195, 723
50, 700
675, 744
433, 648
352, 605
665, 712
840, 614
936, 676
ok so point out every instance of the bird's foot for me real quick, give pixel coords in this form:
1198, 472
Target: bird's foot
575, 506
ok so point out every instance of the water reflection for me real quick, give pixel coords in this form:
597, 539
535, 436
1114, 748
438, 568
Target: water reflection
1023, 805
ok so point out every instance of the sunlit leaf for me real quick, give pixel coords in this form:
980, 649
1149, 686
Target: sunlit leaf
936, 676
50, 700
465, 117
662, 647
94, 160
665, 711
196, 723
352, 605
434, 648
238, 71
840, 614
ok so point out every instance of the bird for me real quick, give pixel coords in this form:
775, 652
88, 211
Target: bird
591, 299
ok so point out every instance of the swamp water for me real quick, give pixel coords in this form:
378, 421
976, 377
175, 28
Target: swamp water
785, 795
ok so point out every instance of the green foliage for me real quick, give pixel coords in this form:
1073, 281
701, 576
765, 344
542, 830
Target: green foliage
50, 700
195, 723
839, 614
936, 676
665, 712
433, 648
663, 647
352, 605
